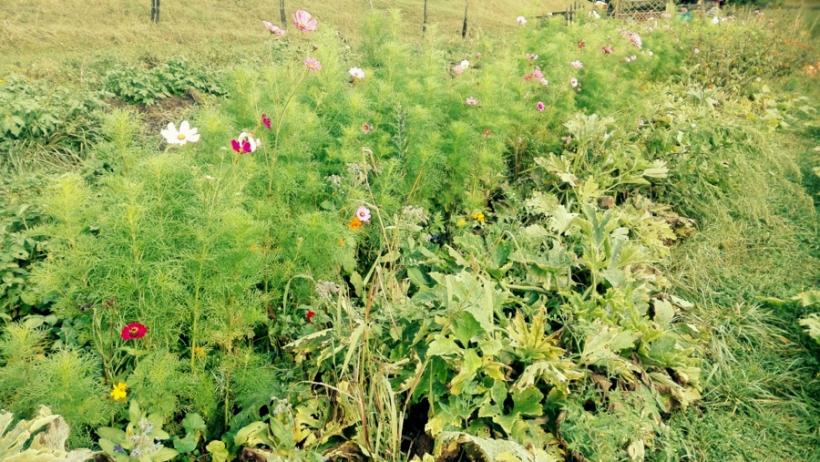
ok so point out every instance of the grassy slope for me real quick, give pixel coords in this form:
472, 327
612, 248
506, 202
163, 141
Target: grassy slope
38, 37
758, 243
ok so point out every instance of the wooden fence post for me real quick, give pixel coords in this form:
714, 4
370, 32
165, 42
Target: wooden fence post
282, 17
424, 21
464, 26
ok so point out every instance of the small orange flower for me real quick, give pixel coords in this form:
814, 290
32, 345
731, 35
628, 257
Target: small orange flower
354, 223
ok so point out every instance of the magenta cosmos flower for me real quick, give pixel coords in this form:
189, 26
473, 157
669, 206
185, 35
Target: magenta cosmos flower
266, 121
274, 29
245, 143
540, 106
303, 21
133, 331
363, 214
313, 65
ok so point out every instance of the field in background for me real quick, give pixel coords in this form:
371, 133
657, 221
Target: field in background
37, 37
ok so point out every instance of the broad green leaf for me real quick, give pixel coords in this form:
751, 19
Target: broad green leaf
528, 402
664, 312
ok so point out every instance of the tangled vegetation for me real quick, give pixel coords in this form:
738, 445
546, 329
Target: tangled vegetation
490, 250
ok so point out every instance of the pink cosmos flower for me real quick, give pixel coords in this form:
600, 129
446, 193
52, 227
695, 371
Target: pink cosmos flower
573, 82
540, 106
363, 214
266, 121
471, 101
634, 39
304, 21
274, 29
576, 64
536, 75
607, 50
313, 64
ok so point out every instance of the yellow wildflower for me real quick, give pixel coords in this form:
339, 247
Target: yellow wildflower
461, 222
119, 392
478, 216
199, 352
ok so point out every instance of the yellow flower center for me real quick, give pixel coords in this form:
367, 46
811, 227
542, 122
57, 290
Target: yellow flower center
134, 330
181, 136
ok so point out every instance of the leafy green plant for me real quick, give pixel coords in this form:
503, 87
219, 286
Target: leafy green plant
148, 86
41, 439
52, 124
141, 440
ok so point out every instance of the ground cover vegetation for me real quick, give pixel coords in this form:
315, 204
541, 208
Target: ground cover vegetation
594, 241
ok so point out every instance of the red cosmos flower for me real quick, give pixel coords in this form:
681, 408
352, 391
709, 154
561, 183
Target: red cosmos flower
309, 315
266, 121
133, 331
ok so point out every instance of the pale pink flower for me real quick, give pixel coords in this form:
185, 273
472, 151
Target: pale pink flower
521, 21
573, 82
367, 128
607, 50
363, 214
576, 64
356, 73
459, 68
304, 21
313, 64
532, 56
274, 29
635, 39
696, 51
536, 75
540, 106
471, 101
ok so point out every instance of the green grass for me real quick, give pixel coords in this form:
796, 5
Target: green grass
760, 400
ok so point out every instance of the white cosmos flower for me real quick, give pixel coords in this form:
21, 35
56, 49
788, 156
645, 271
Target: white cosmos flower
356, 73
521, 20
464, 64
185, 134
